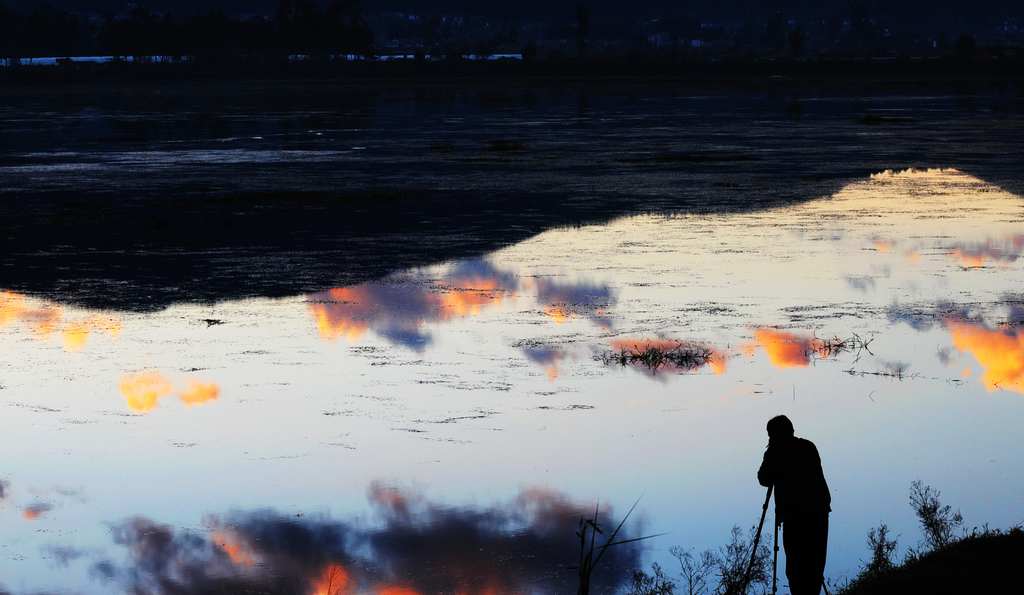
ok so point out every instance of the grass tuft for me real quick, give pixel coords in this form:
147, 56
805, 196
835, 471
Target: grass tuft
678, 355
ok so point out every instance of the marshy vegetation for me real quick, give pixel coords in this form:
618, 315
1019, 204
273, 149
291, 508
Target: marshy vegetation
721, 571
668, 355
836, 345
591, 552
659, 354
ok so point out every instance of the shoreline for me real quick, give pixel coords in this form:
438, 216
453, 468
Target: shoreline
729, 74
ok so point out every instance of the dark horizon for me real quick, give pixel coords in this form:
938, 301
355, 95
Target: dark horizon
693, 31
911, 15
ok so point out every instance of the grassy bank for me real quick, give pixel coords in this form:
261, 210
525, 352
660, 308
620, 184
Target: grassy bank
982, 563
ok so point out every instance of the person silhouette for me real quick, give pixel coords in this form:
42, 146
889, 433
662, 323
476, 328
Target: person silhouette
802, 504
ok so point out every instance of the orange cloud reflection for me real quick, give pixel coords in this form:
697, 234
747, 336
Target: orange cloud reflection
396, 591
969, 260
470, 296
234, 547
557, 314
334, 580
717, 363
786, 350
999, 353
1002, 252
548, 357
34, 511
43, 319
144, 390
562, 301
883, 246
198, 393
397, 310
336, 312
46, 319
76, 333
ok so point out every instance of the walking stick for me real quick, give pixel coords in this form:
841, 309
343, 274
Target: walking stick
775, 560
757, 541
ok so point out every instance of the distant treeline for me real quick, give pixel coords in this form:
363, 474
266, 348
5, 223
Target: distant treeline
563, 29
298, 27
323, 38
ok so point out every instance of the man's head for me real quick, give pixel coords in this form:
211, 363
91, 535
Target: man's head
780, 428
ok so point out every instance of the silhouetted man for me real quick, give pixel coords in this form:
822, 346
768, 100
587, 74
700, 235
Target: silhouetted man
802, 504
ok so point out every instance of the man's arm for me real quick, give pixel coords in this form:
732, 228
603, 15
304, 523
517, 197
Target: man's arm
766, 474
822, 484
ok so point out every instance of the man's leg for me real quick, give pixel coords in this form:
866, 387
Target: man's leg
800, 539
819, 550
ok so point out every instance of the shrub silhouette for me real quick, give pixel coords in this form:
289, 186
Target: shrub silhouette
728, 564
939, 522
882, 549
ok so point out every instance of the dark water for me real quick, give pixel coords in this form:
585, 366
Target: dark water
292, 338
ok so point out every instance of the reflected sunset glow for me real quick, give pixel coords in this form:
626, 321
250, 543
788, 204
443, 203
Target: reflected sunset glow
35, 511
198, 393
977, 255
398, 312
399, 309
42, 319
785, 349
562, 301
546, 357
234, 546
334, 580
143, 391
45, 319
76, 333
999, 353
411, 545
397, 591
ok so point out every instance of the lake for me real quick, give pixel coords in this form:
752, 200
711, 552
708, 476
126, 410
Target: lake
399, 364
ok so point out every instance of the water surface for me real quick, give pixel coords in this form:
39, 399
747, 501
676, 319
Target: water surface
256, 338
441, 429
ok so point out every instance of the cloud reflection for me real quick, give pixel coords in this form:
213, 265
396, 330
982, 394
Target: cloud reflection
785, 349
143, 391
980, 254
236, 548
35, 510
46, 319
1000, 353
883, 245
563, 301
411, 546
998, 349
76, 333
546, 357
14, 307
399, 308
198, 393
